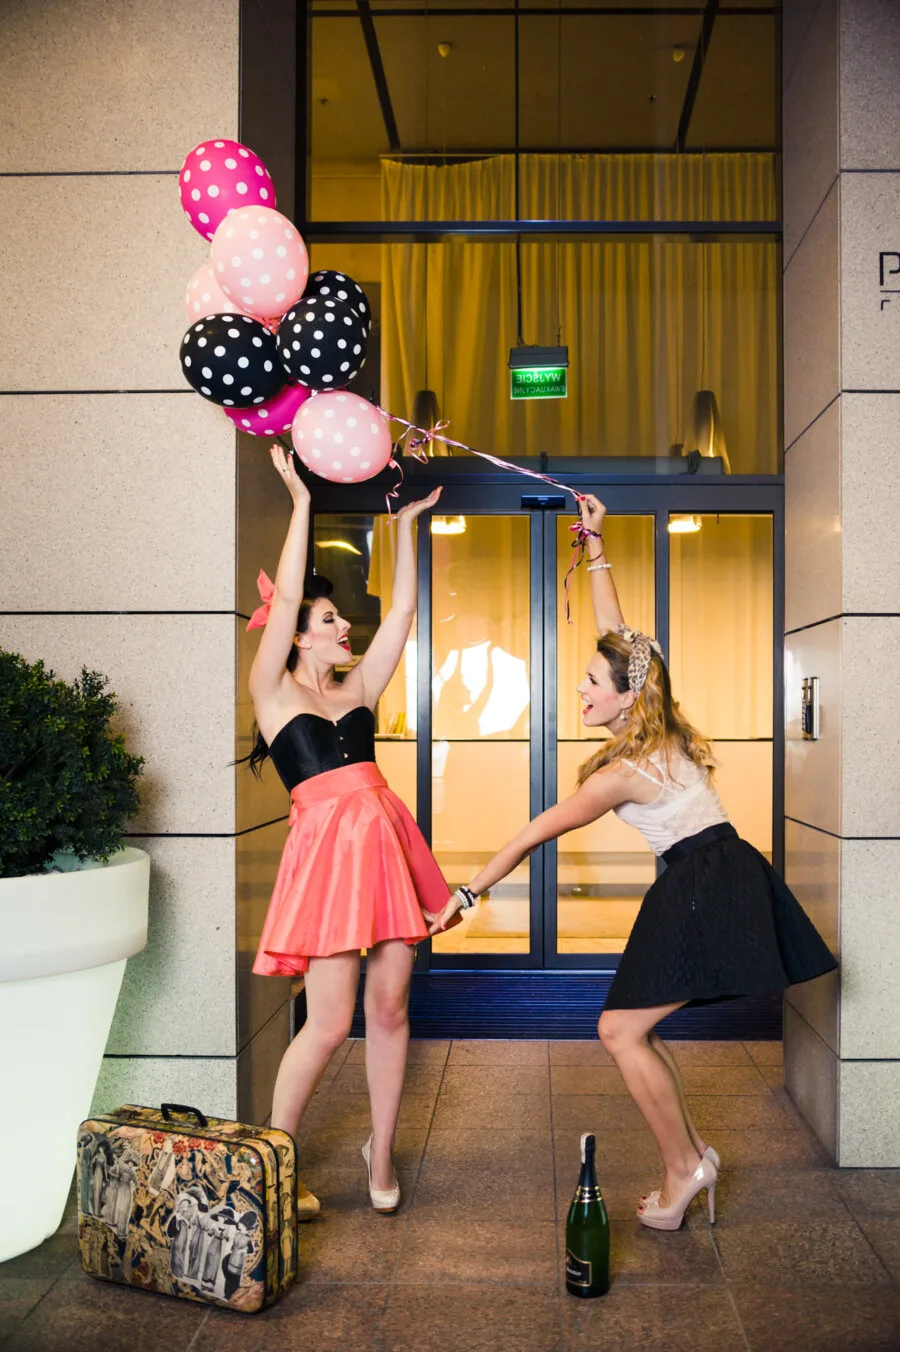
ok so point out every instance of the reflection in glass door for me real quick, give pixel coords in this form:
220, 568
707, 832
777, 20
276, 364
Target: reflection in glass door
603, 870
481, 705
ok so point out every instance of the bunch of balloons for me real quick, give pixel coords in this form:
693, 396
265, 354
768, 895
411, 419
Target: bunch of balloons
269, 344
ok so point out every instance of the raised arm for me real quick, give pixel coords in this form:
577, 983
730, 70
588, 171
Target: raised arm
605, 789
604, 598
378, 664
271, 656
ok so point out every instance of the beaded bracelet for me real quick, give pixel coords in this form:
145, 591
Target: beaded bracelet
467, 898
596, 567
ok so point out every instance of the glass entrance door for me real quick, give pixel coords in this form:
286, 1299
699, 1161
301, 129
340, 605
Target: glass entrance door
480, 728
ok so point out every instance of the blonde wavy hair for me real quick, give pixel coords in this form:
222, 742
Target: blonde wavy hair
655, 721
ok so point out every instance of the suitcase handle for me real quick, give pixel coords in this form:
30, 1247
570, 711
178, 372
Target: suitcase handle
167, 1109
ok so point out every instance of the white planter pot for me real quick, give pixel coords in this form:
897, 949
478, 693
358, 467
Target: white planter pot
64, 940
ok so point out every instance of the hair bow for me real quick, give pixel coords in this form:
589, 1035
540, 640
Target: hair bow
266, 591
642, 648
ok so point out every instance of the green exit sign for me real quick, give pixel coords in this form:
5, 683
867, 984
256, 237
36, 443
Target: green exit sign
538, 382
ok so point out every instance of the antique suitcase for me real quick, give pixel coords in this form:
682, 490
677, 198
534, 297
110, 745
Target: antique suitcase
196, 1207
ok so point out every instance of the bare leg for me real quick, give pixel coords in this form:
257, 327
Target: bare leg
388, 971
331, 985
667, 1055
625, 1035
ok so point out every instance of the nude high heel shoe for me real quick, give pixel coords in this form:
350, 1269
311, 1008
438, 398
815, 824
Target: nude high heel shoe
670, 1217
708, 1154
384, 1200
308, 1205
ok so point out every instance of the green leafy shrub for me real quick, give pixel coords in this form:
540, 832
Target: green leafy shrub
66, 781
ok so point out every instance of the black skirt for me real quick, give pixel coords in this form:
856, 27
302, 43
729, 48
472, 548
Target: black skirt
717, 924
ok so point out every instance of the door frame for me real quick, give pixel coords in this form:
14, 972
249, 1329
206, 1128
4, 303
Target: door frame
476, 492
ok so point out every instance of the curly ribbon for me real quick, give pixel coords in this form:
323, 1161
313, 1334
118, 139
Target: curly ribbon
266, 588
579, 548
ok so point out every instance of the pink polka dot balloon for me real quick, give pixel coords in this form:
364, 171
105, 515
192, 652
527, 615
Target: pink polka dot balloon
204, 296
275, 416
341, 437
219, 177
260, 261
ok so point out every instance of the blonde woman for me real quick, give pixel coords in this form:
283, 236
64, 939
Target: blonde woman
717, 924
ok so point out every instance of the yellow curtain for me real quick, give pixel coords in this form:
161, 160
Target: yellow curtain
647, 322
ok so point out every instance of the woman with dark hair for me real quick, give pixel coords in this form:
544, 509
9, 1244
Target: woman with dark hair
356, 872
717, 924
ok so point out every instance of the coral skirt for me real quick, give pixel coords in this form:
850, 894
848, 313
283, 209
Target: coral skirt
355, 871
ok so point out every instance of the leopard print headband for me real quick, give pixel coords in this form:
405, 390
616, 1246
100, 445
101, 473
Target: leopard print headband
642, 648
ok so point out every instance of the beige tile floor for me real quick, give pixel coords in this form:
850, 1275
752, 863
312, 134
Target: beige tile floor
804, 1257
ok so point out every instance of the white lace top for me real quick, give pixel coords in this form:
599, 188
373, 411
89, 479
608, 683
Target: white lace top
686, 803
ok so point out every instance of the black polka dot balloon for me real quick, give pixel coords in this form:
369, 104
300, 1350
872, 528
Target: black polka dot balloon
232, 360
338, 286
322, 342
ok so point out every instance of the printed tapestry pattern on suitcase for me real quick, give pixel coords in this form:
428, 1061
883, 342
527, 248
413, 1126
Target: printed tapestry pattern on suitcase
209, 1216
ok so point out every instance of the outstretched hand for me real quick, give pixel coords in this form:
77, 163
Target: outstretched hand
439, 922
592, 513
414, 509
284, 463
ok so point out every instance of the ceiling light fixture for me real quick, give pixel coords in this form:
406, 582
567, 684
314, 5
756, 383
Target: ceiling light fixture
448, 525
684, 525
338, 544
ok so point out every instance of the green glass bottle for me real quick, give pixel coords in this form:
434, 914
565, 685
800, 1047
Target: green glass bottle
587, 1232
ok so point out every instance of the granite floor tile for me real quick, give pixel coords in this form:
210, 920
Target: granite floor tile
501, 1081
50, 1259
505, 1054
309, 1317
619, 1153
723, 1080
869, 1192
764, 1148
456, 1318
814, 1252
883, 1233
607, 1112
18, 1297
509, 1152
352, 1112
641, 1255
773, 1076
345, 1192
653, 1319
438, 1250
586, 1079
819, 1319
777, 1194
579, 1054
354, 1246
766, 1053
737, 1111
327, 1152
422, 1079
709, 1053
422, 1052
458, 1191
485, 1112
86, 1315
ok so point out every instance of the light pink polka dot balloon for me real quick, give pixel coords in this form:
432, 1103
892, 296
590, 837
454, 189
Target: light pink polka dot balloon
204, 296
260, 261
275, 416
219, 177
341, 437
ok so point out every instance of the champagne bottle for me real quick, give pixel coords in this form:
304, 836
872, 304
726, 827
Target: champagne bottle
587, 1232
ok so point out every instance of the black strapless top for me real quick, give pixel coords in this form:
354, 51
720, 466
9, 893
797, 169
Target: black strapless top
310, 745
